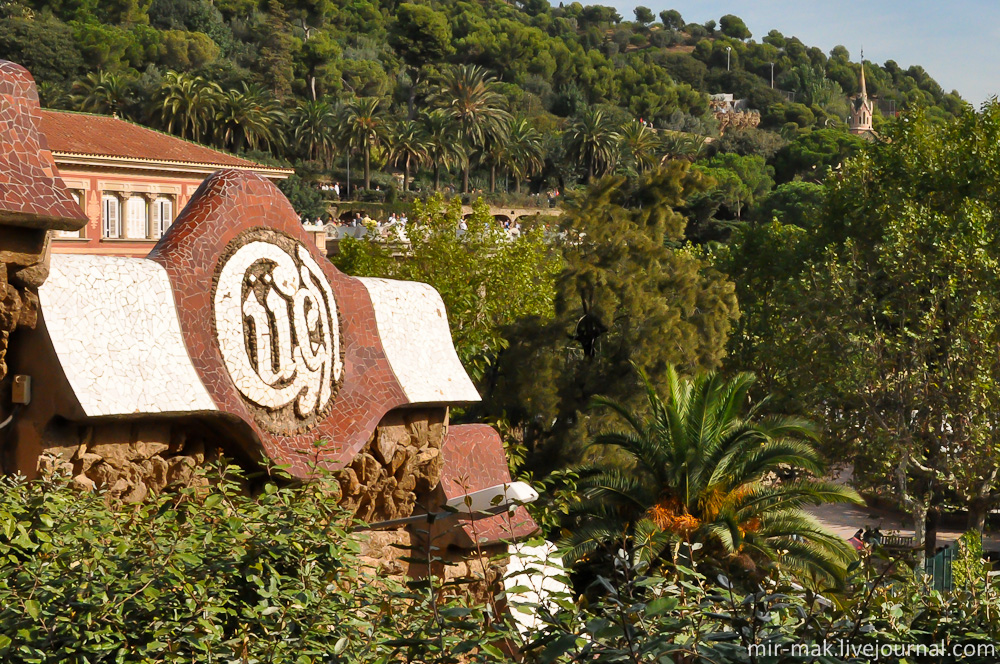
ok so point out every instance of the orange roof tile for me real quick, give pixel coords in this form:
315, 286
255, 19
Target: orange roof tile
106, 136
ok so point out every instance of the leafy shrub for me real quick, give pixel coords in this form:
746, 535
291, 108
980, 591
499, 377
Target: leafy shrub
968, 567
631, 616
211, 575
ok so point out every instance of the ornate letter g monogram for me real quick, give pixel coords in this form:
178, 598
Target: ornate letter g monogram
277, 326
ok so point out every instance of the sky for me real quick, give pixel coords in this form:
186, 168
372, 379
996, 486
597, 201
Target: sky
956, 41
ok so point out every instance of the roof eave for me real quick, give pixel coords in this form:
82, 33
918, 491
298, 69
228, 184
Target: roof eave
185, 167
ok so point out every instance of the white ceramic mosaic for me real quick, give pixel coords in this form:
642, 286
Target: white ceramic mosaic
535, 576
413, 326
285, 296
115, 331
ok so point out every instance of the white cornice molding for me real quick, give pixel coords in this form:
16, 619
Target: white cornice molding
184, 167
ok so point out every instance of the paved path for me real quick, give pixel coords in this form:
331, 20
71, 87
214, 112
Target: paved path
845, 520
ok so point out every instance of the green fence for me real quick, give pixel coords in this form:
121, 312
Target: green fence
939, 567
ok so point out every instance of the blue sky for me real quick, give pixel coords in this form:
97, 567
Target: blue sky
956, 41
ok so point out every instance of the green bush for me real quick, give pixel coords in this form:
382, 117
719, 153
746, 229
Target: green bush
211, 575
968, 568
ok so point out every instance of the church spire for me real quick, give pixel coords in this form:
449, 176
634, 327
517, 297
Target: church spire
862, 108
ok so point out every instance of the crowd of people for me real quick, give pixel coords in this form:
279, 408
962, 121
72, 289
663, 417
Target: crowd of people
393, 223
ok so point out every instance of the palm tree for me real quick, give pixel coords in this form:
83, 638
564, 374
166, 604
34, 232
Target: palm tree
494, 153
468, 94
702, 468
314, 129
408, 146
186, 102
248, 118
639, 145
523, 153
365, 127
681, 145
102, 92
442, 148
593, 140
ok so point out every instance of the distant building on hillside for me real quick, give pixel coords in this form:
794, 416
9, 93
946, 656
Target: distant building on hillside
860, 121
732, 113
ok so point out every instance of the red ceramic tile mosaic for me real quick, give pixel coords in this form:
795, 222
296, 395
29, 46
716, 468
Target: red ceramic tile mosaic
31, 192
231, 202
474, 459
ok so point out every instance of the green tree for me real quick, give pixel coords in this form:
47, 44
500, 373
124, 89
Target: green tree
523, 151
248, 119
733, 26
408, 146
469, 96
639, 146
314, 128
103, 92
813, 155
627, 286
42, 44
698, 465
644, 15
890, 321
316, 59
443, 151
487, 279
671, 18
305, 198
186, 103
276, 45
421, 36
593, 141
366, 127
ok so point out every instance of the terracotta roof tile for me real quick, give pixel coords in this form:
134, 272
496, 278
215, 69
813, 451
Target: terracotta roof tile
106, 136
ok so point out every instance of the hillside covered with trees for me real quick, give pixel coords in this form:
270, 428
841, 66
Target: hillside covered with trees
481, 96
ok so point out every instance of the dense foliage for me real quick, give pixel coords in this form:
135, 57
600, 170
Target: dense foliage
874, 307
212, 575
487, 95
487, 279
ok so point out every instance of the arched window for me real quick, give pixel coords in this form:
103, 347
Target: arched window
163, 216
138, 222
110, 216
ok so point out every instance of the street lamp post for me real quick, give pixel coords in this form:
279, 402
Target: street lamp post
729, 49
772, 75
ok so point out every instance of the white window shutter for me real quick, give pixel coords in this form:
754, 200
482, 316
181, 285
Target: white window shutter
110, 208
157, 218
136, 210
165, 209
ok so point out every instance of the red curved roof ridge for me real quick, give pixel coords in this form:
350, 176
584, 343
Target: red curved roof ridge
107, 136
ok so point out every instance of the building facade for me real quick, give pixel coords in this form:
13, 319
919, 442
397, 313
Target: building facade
131, 181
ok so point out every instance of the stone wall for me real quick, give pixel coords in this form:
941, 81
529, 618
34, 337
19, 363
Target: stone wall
127, 460
402, 460
23, 268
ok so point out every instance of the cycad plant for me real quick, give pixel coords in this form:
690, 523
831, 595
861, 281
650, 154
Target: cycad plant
702, 467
